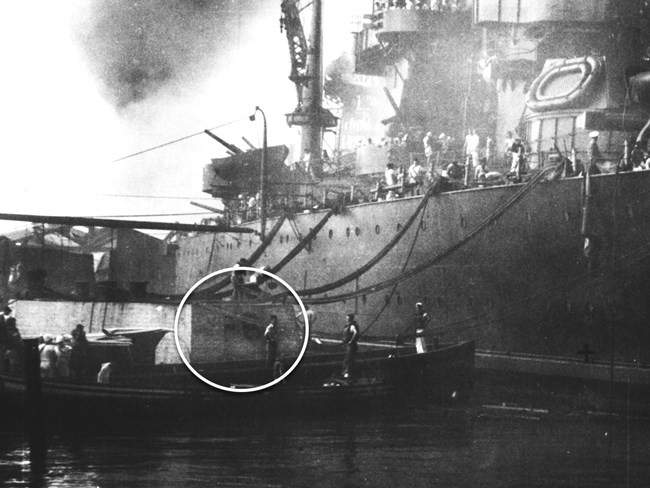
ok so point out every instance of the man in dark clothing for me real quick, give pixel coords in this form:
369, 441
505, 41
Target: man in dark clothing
79, 355
350, 339
454, 171
11, 343
3, 342
271, 338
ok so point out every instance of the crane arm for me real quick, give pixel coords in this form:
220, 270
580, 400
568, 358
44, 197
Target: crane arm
297, 44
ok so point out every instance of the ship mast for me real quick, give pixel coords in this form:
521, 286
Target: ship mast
307, 74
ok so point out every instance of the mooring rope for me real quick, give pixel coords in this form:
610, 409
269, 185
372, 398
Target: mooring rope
378, 257
437, 257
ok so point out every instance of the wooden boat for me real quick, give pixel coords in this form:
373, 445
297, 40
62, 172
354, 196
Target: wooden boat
382, 375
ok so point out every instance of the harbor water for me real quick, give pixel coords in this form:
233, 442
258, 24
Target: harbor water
410, 445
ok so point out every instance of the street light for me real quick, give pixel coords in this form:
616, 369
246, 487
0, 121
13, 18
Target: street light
262, 174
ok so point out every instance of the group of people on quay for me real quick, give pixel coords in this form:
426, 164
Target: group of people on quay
65, 356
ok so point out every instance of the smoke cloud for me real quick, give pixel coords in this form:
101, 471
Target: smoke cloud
137, 48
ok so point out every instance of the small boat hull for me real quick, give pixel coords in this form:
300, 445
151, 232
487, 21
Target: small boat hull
443, 375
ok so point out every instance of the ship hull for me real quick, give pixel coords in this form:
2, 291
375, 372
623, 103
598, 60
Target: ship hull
512, 275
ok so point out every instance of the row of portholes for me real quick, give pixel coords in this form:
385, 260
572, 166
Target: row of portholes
357, 230
284, 239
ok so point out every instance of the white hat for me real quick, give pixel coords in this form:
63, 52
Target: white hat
47, 338
594, 133
59, 339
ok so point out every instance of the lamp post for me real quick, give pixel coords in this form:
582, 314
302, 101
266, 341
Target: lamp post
262, 174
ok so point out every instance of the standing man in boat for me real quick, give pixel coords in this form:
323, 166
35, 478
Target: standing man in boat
271, 338
350, 339
4, 339
79, 355
420, 322
12, 345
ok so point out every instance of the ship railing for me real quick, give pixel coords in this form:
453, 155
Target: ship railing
606, 163
432, 5
399, 190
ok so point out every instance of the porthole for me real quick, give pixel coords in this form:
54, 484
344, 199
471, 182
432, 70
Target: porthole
566, 215
347, 231
287, 239
238, 244
281, 239
463, 222
377, 229
399, 299
364, 299
386, 299
330, 234
399, 227
357, 231
423, 225
529, 217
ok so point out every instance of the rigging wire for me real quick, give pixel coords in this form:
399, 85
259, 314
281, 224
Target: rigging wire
587, 279
406, 261
176, 140
150, 215
433, 260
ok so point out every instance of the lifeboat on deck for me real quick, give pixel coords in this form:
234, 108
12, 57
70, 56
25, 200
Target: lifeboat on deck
566, 84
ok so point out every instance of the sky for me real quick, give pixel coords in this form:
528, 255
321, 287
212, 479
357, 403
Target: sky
88, 82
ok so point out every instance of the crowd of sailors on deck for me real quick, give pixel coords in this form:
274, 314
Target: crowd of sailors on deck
473, 165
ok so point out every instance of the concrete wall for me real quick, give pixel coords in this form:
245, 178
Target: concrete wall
207, 331
230, 331
35, 317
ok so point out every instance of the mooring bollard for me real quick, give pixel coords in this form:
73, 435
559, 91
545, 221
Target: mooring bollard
34, 407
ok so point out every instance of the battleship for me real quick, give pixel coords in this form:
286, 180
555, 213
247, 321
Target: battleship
546, 262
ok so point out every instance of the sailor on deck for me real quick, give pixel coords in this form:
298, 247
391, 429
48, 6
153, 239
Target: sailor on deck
416, 173
428, 147
271, 338
421, 320
390, 175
